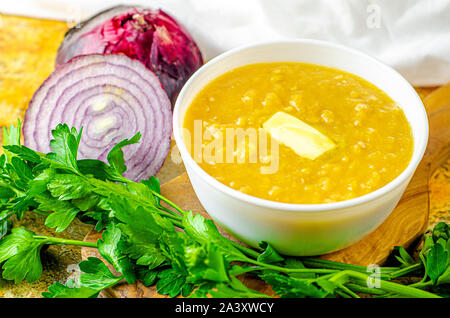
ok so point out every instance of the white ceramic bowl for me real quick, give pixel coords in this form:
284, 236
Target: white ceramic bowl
302, 229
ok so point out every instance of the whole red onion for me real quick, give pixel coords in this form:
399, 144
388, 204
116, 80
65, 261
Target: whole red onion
151, 36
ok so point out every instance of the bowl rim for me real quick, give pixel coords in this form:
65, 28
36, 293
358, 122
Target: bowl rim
416, 156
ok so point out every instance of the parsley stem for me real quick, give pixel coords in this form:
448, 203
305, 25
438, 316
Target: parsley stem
290, 270
250, 269
173, 217
41, 212
59, 240
173, 205
177, 224
421, 284
348, 291
317, 262
168, 211
387, 286
244, 249
156, 194
18, 192
343, 295
366, 290
7, 216
405, 270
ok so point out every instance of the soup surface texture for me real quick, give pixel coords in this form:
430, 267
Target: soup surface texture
372, 137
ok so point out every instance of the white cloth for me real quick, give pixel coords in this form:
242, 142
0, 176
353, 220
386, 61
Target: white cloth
413, 36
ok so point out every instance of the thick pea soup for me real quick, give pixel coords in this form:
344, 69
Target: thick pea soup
297, 133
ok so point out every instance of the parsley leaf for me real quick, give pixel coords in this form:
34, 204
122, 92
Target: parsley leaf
110, 248
115, 156
146, 276
68, 187
63, 214
97, 275
153, 184
88, 202
206, 263
99, 219
204, 231
172, 245
38, 185
22, 255
234, 289
293, 287
146, 254
11, 137
139, 223
96, 168
23, 153
95, 278
437, 261
172, 283
441, 230
435, 253
404, 257
70, 290
65, 144
269, 255
5, 226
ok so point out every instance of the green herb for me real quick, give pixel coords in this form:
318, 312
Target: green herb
22, 254
95, 278
147, 237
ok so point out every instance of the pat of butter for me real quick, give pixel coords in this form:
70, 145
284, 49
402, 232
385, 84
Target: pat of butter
302, 138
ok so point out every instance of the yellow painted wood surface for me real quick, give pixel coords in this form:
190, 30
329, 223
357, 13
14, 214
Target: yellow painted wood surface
27, 55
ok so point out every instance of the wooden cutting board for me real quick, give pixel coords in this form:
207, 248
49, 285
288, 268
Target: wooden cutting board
405, 224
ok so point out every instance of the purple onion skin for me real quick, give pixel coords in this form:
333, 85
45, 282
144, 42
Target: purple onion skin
150, 36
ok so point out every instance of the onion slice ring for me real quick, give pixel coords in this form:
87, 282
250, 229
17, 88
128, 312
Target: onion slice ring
113, 97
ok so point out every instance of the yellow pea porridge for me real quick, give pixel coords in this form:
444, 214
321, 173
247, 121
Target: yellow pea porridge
341, 138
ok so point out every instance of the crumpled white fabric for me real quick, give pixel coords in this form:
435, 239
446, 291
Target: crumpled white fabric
413, 36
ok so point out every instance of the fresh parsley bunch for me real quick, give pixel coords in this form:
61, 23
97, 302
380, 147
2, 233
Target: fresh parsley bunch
148, 238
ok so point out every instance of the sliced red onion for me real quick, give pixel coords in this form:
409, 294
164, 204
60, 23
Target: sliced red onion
151, 36
113, 97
